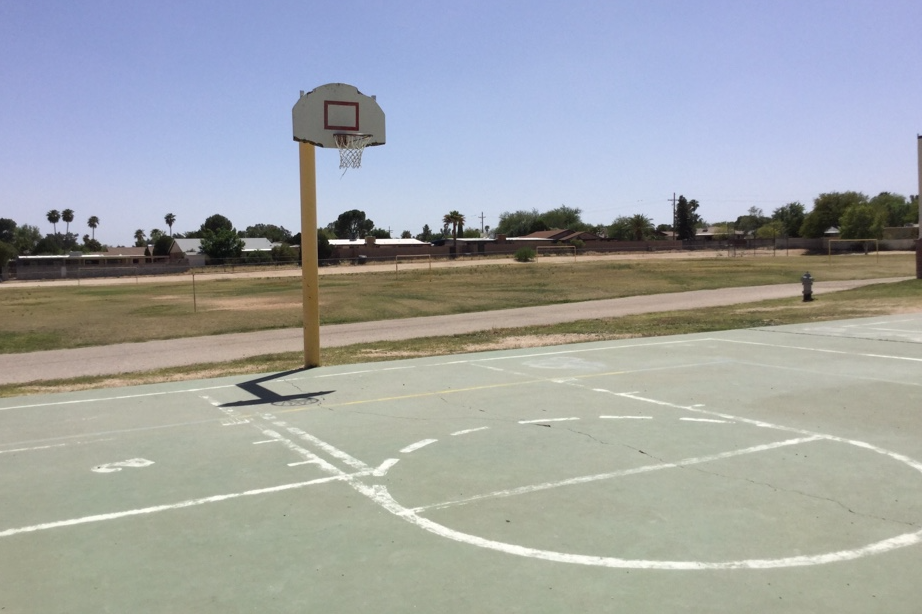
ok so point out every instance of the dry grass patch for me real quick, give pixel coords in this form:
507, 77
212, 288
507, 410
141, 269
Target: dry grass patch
516, 342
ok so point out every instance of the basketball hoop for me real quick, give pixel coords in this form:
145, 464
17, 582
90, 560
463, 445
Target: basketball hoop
351, 146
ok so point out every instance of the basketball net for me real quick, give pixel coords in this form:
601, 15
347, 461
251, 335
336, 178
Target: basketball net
351, 147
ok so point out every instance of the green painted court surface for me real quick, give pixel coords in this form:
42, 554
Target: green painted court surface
755, 470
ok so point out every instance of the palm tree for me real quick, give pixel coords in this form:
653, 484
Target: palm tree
640, 225
170, 219
139, 238
93, 222
68, 216
456, 220
54, 216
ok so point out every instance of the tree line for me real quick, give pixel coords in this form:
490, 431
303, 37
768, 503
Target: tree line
854, 214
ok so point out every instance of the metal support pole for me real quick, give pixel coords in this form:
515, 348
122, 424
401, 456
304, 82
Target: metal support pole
310, 279
919, 198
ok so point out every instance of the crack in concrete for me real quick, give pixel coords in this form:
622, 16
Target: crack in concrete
754, 482
802, 494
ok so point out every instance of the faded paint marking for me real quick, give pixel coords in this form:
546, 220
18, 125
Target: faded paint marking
547, 420
133, 463
466, 431
413, 447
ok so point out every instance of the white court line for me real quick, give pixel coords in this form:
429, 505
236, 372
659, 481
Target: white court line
714, 420
466, 431
171, 506
119, 398
382, 469
547, 420
256, 443
331, 450
56, 445
413, 447
822, 350
626, 417
523, 490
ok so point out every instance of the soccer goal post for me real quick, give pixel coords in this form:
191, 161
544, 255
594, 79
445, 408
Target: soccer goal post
407, 258
865, 242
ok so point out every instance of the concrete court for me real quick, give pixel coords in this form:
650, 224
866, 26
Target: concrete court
762, 470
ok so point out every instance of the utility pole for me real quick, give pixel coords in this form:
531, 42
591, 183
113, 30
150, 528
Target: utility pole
481, 223
673, 215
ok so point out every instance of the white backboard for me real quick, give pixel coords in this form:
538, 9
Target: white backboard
336, 108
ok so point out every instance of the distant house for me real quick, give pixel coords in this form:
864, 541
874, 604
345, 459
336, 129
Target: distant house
191, 249
374, 241
557, 234
115, 262
718, 232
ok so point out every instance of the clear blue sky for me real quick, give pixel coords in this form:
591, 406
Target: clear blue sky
129, 110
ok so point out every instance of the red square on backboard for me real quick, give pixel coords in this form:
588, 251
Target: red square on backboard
340, 115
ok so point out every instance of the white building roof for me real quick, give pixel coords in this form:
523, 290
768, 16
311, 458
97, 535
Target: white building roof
361, 242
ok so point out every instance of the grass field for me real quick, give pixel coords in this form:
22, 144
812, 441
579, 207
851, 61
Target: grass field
43, 317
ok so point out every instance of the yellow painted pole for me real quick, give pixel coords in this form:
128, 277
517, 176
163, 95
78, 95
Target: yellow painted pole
309, 277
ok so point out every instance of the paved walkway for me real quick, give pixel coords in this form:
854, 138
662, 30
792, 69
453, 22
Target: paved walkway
132, 357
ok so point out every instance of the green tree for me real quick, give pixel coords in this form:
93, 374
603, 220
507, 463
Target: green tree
641, 226
25, 238
406, 234
162, 244
620, 229
170, 219
140, 240
455, 220
7, 230
90, 245
54, 216
222, 244
324, 249
897, 209
286, 253
51, 244
771, 230
791, 217
519, 223
687, 218
752, 221
563, 217
7, 253
426, 234
276, 234
93, 223
155, 234
827, 210
352, 225
862, 221
67, 216
379, 233
215, 223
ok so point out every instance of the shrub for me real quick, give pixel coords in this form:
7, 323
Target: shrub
525, 254
260, 257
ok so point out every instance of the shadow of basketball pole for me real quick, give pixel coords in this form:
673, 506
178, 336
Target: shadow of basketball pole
265, 396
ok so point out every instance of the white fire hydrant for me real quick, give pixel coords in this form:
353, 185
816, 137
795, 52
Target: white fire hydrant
807, 281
